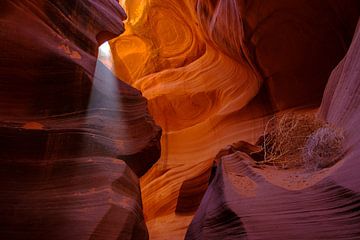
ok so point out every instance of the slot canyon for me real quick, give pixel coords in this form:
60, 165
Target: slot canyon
179, 119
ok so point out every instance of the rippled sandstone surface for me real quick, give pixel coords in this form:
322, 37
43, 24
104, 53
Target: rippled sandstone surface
73, 138
243, 202
213, 73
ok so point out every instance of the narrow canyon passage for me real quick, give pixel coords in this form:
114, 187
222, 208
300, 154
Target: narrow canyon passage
213, 73
179, 119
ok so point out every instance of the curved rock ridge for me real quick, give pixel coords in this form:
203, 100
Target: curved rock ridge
73, 138
245, 202
213, 72
340, 106
241, 203
77, 198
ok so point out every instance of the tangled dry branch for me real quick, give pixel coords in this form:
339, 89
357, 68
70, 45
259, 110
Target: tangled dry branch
301, 140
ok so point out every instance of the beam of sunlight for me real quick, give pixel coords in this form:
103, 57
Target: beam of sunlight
105, 84
104, 107
105, 56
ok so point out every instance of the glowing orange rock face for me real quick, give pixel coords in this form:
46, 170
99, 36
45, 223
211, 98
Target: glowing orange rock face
212, 71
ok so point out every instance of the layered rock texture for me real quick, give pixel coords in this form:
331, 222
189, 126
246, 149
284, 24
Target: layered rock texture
79, 147
243, 202
73, 138
214, 72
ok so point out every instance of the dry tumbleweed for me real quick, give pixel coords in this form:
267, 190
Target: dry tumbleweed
301, 140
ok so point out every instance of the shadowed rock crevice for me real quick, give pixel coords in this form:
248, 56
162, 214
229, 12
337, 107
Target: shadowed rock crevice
64, 120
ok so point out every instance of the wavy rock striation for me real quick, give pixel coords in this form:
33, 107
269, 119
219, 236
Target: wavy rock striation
68, 126
244, 202
213, 72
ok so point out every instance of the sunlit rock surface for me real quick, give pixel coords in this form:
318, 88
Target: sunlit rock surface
213, 71
73, 137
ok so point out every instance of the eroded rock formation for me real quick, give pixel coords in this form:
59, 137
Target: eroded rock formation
213, 72
66, 125
74, 138
244, 202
